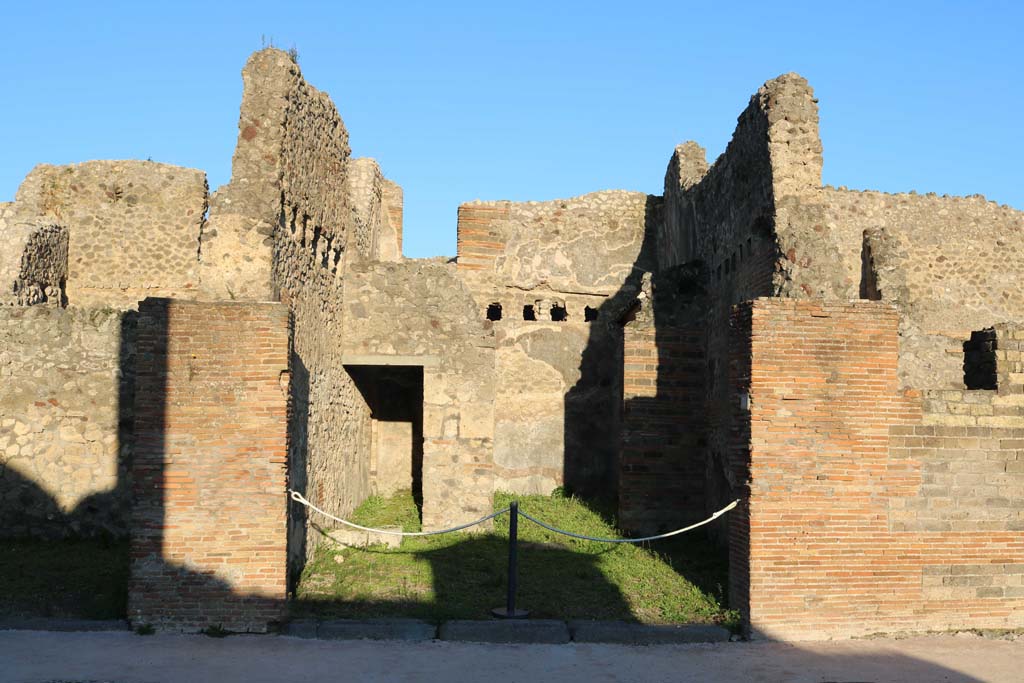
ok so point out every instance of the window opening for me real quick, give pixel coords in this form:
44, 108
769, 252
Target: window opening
529, 313
494, 311
980, 360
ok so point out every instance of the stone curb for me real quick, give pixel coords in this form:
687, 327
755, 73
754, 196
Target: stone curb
551, 631
362, 629
47, 624
506, 631
645, 634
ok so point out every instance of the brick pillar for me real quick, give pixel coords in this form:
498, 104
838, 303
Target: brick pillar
661, 479
815, 395
209, 520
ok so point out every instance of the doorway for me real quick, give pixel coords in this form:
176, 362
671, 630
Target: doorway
394, 395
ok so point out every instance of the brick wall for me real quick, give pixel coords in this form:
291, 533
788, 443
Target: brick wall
209, 520
479, 243
864, 514
661, 479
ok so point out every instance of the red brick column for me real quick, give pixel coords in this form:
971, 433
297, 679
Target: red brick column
209, 521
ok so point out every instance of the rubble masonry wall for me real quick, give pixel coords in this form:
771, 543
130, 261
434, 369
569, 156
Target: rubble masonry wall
66, 386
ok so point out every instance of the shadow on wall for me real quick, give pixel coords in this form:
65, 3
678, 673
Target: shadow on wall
30, 511
298, 448
110, 516
635, 428
593, 406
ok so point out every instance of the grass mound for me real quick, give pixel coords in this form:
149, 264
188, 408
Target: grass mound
463, 575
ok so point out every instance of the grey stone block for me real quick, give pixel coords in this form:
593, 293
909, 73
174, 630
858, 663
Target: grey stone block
47, 624
376, 629
356, 538
645, 634
506, 631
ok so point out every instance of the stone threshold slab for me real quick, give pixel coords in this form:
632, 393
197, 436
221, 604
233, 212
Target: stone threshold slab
645, 634
361, 629
551, 631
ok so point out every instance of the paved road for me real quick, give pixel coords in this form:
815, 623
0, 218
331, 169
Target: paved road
36, 656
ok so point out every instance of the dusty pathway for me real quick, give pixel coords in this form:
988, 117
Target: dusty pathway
125, 657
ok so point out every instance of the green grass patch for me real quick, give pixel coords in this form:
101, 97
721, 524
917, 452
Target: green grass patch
83, 579
463, 575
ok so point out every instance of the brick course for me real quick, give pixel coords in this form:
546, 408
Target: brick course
209, 522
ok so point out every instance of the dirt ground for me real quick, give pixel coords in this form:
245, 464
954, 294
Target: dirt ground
125, 657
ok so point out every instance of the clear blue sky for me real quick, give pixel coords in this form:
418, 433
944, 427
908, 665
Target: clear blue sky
521, 100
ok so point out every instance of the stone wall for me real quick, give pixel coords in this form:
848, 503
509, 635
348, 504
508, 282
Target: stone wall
866, 511
537, 364
133, 227
419, 313
584, 245
66, 383
547, 274
949, 264
394, 201
208, 543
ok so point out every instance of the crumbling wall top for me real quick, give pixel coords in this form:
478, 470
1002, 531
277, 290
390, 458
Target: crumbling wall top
133, 227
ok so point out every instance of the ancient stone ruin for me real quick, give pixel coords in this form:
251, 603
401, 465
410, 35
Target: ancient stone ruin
847, 364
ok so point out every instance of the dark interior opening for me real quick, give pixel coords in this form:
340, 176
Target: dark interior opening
558, 313
980, 360
494, 311
589, 314
868, 277
394, 394
529, 313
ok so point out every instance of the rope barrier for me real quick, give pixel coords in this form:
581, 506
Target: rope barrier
299, 498
509, 611
712, 518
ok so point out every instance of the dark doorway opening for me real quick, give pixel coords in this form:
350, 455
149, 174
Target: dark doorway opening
394, 394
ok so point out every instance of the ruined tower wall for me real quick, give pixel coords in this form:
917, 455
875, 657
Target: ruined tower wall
760, 204
754, 224
133, 227
288, 227
66, 384
419, 313
558, 375
949, 264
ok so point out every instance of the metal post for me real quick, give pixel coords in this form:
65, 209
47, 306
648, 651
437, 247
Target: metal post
509, 611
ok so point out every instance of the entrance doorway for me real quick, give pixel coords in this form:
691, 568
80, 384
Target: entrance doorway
394, 395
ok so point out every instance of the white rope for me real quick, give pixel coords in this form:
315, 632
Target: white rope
299, 498
712, 518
